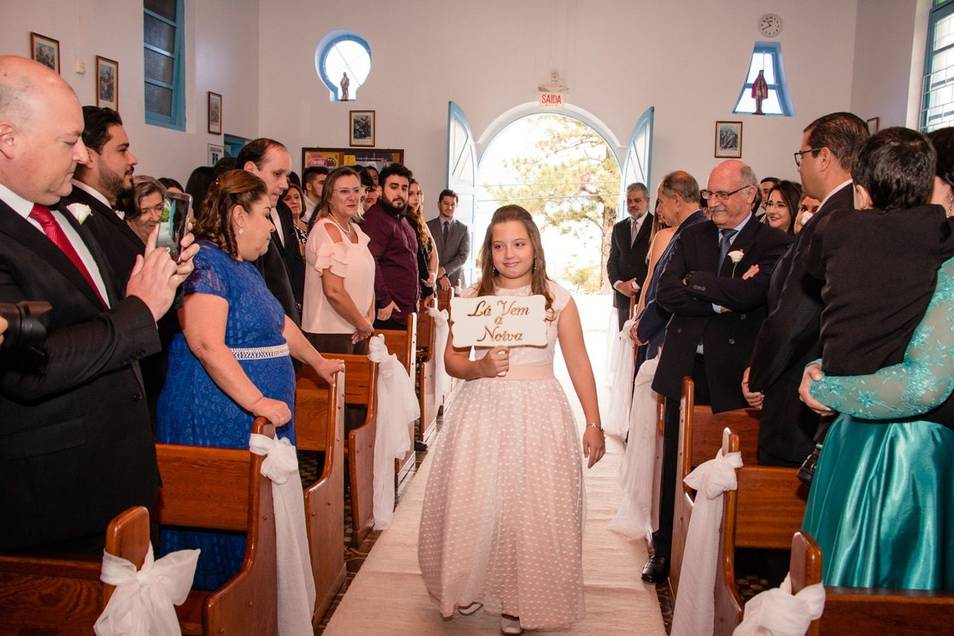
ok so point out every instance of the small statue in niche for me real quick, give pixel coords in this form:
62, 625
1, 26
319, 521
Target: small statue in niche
344, 83
760, 92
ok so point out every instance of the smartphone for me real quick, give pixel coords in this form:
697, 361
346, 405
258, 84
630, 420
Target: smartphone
175, 222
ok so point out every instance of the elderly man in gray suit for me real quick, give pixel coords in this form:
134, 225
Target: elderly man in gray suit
453, 241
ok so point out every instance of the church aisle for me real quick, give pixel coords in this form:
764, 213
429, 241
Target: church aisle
387, 596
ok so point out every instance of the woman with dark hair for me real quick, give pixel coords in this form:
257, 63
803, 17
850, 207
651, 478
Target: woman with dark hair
781, 206
143, 206
502, 520
171, 185
427, 259
231, 363
294, 198
372, 191
943, 192
198, 186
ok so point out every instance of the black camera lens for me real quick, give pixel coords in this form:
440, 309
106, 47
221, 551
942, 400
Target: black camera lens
24, 328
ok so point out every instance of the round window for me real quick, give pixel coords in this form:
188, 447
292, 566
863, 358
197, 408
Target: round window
343, 61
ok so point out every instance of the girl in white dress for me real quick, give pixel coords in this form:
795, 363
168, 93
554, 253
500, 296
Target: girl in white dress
501, 526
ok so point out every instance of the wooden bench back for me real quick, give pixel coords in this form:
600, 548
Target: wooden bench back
61, 594
764, 511
425, 332
361, 382
444, 298
868, 611
403, 343
223, 489
315, 410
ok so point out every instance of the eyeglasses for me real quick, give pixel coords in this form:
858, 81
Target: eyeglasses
347, 191
709, 195
798, 155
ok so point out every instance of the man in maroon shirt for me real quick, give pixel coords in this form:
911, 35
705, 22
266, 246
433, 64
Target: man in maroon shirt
394, 246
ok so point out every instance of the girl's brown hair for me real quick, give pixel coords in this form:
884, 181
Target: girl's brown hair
213, 221
418, 222
538, 277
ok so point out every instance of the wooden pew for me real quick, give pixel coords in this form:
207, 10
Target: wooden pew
700, 436
444, 298
361, 389
223, 489
59, 594
403, 344
425, 380
319, 426
868, 611
764, 511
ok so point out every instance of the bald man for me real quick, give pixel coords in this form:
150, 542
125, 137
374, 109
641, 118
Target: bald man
717, 305
76, 446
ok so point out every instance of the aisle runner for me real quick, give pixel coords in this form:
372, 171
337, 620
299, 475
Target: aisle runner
388, 597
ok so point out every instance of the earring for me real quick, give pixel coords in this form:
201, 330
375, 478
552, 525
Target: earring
533, 268
241, 231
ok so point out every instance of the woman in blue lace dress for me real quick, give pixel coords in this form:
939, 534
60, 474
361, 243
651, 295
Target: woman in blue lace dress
231, 362
881, 506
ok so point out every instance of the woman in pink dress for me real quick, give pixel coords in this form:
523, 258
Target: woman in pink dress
501, 526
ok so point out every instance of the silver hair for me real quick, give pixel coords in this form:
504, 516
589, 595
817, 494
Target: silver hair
638, 186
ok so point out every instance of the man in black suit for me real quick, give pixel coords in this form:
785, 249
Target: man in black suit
789, 338
99, 183
76, 447
282, 265
678, 197
629, 245
717, 305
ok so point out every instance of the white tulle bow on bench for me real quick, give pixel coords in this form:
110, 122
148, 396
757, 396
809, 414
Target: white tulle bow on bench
777, 612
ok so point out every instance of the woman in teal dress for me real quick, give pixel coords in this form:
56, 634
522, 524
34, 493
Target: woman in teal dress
881, 505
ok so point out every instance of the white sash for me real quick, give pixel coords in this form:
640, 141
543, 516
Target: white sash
397, 407
776, 612
142, 603
296, 583
636, 476
695, 602
620, 380
442, 381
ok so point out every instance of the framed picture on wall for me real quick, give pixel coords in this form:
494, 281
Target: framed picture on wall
45, 50
874, 125
107, 83
215, 113
361, 127
728, 139
216, 152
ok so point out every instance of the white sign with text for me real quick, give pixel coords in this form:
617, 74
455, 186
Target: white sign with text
499, 321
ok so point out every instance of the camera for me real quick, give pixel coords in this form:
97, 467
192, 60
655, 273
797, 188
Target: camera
24, 328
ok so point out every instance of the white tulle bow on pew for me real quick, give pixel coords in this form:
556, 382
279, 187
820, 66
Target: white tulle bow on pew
620, 380
296, 583
694, 610
777, 612
397, 407
636, 475
142, 603
442, 381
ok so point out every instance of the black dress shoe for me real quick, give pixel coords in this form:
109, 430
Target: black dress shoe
656, 570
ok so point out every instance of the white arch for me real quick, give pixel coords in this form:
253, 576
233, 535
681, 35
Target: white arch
533, 108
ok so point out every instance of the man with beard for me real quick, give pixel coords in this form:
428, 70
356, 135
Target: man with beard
98, 183
394, 246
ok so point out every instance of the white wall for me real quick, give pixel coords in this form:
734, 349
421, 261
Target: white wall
688, 59
221, 55
885, 59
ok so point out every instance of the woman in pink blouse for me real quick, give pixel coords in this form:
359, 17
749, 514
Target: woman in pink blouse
338, 309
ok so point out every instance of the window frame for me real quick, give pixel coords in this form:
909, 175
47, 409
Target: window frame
176, 120
324, 47
773, 49
939, 11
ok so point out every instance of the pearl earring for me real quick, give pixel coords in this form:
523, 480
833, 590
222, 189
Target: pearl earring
241, 231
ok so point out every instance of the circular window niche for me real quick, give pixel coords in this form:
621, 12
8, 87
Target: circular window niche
343, 62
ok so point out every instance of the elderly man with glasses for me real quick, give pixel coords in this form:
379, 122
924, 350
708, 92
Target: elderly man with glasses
789, 338
715, 287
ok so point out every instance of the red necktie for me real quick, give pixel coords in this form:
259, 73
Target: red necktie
42, 215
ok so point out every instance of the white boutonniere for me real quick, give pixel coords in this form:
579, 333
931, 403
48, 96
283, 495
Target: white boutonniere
735, 256
79, 211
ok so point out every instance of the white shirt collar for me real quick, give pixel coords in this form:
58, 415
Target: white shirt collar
93, 192
830, 194
20, 205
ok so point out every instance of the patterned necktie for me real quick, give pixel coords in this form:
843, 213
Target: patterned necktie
42, 215
725, 243
633, 230
444, 226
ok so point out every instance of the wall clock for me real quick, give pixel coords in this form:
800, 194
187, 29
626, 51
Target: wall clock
770, 25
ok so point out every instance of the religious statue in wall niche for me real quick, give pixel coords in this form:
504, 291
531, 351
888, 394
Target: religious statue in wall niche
759, 92
344, 83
